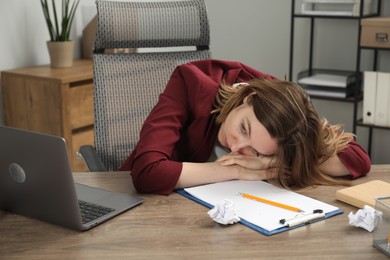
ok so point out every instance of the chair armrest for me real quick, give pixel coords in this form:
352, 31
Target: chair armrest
91, 158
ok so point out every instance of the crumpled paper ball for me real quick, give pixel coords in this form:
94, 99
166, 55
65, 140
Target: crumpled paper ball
223, 213
367, 218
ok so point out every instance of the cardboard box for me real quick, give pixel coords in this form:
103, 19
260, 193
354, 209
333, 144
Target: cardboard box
375, 32
88, 38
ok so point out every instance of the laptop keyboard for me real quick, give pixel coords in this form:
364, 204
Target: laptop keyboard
90, 211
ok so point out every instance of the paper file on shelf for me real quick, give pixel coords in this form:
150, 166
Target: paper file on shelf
382, 99
328, 13
370, 83
329, 80
325, 92
337, 7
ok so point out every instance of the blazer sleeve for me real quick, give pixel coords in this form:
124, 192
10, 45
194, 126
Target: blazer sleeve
153, 169
355, 159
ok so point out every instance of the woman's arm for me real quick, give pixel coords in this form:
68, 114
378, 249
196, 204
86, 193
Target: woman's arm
232, 166
334, 167
353, 161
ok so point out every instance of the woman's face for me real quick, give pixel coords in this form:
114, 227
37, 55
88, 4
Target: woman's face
243, 133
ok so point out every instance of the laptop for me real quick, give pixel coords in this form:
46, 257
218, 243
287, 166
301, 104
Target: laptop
36, 181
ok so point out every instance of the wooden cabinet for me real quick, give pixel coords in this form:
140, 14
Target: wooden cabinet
52, 101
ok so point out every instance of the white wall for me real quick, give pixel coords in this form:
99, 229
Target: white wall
255, 32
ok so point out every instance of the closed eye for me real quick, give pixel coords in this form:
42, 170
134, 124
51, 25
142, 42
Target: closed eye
246, 130
243, 129
256, 152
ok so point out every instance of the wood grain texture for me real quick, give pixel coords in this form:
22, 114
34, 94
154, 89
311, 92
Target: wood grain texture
174, 227
52, 101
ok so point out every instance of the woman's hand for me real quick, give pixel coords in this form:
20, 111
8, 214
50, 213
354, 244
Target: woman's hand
255, 175
247, 161
194, 174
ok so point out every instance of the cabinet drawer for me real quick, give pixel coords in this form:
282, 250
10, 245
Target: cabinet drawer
80, 105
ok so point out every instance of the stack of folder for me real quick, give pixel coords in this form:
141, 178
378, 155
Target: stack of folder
376, 98
337, 7
330, 83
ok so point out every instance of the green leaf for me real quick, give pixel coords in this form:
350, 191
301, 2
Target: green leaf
59, 30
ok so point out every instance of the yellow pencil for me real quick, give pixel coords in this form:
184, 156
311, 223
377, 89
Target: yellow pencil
270, 202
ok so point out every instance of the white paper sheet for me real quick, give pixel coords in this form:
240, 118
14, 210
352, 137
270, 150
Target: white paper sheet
328, 80
260, 214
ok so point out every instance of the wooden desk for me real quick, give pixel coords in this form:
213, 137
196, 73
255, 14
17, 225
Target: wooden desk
175, 227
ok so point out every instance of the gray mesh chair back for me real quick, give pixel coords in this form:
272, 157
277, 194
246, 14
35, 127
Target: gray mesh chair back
137, 47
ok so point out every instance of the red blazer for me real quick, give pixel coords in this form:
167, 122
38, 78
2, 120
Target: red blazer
180, 127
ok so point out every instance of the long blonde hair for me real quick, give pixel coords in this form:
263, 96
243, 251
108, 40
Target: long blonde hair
304, 140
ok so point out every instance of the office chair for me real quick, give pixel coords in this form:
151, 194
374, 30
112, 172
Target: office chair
137, 47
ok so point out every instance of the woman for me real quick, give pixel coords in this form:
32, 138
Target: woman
221, 120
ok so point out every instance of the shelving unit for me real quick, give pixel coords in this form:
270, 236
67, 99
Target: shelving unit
359, 122
357, 97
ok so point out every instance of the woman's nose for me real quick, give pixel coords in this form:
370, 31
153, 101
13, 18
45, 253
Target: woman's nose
238, 144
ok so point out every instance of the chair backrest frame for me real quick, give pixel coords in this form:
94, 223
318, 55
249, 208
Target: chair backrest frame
127, 79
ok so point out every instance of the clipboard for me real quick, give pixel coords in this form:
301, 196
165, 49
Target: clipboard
263, 218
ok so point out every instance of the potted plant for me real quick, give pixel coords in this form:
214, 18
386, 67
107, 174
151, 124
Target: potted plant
60, 45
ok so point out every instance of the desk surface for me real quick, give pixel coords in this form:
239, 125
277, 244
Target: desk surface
175, 227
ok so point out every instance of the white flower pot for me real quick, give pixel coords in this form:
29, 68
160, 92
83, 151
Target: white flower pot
61, 54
